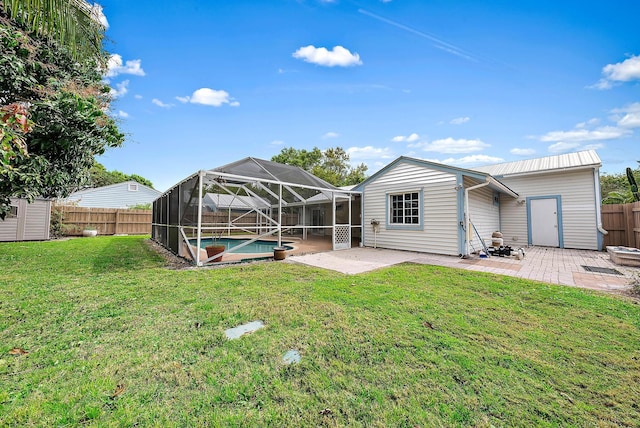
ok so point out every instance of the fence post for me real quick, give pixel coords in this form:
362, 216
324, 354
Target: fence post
627, 211
116, 231
635, 231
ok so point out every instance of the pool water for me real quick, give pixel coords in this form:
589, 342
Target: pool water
258, 246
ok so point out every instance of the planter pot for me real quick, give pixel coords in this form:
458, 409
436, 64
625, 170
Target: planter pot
279, 253
212, 250
89, 232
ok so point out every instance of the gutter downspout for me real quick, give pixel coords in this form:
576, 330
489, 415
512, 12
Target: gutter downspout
467, 219
598, 194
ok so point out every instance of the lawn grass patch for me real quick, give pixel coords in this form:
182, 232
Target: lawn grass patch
114, 338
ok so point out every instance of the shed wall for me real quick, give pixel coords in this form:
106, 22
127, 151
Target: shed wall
439, 210
31, 224
578, 205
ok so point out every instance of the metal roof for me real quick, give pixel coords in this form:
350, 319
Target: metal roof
584, 159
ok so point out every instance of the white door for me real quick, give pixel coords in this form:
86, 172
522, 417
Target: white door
544, 222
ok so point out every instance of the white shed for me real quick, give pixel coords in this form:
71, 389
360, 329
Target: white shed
120, 195
26, 221
559, 201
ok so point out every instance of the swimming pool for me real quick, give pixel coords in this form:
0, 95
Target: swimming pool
258, 246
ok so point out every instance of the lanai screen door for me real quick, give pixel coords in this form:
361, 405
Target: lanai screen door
341, 222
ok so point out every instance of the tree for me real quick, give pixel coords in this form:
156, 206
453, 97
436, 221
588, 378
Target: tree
101, 177
53, 112
301, 158
615, 188
71, 23
331, 165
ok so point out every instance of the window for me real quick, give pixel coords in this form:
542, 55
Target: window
13, 212
133, 187
404, 209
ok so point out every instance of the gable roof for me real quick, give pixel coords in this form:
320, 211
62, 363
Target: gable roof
478, 175
267, 170
124, 184
576, 160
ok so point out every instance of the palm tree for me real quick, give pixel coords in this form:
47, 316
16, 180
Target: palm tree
72, 23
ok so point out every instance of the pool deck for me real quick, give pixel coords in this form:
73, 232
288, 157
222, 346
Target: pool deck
550, 265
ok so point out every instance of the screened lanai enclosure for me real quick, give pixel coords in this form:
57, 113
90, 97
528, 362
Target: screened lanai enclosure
254, 200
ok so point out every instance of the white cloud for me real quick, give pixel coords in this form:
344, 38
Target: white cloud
137, 97
624, 71
209, 97
450, 145
590, 122
330, 135
459, 120
161, 104
562, 147
628, 116
468, 160
522, 152
277, 143
120, 89
596, 146
338, 56
370, 152
98, 15
115, 66
581, 135
409, 138
123, 114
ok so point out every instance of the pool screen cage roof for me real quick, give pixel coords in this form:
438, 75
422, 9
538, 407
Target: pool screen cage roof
253, 197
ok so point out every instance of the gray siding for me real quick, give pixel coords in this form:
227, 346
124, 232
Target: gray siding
577, 191
439, 210
31, 224
114, 196
9, 229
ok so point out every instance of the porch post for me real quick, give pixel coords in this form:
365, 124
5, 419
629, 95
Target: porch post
200, 180
280, 215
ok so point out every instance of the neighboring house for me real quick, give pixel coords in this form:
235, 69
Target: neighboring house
26, 221
119, 195
429, 207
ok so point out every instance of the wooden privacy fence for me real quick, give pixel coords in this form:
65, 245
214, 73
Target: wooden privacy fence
108, 221
622, 221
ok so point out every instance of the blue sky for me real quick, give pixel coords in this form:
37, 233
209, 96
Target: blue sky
199, 84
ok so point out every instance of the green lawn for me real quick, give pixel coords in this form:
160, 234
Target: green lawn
114, 339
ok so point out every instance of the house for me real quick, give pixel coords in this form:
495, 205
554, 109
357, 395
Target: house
26, 221
417, 205
120, 195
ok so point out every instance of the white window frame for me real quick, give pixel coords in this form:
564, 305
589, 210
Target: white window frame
399, 206
133, 187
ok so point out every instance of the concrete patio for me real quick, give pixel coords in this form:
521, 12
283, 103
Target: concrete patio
551, 265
